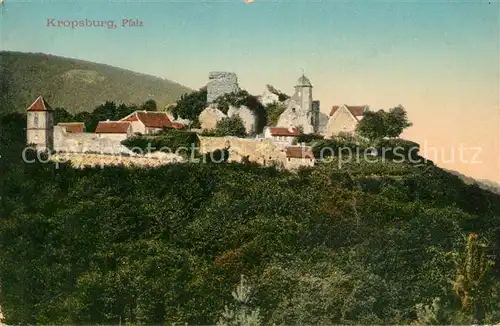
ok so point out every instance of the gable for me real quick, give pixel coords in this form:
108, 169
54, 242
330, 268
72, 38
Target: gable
39, 105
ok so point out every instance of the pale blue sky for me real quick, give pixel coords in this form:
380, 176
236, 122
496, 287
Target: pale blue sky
440, 59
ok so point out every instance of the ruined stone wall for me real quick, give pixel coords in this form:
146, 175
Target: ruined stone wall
81, 160
261, 150
220, 83
87, 142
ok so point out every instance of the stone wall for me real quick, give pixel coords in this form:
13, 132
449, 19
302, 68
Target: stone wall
262, 151
95, 160
220, 83
87, 142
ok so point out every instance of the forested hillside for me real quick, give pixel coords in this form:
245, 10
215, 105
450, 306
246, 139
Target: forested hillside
76, 85
367, 243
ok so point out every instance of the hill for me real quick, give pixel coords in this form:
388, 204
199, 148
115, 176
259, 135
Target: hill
368, 243
76, 85
483, 184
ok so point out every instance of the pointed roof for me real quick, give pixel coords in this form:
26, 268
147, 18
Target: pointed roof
304, 81
356, 110
39, 105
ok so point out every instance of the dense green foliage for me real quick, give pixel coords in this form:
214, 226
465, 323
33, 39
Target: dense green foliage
232, 126
243, 98
190, 105
169, 141
308, 138
107, 111
274, 110
75, 84
380, 124
367, 243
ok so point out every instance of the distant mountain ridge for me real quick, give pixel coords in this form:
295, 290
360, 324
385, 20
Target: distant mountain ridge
483, 184
76, 85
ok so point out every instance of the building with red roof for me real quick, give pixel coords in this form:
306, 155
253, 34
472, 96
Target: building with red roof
282, 135
73, 127
150, 122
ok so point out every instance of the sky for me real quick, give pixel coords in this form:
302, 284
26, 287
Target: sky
439, 59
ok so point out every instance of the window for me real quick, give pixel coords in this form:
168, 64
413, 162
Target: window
35, 119
293, 110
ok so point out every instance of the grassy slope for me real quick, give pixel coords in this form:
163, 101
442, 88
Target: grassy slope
75, 84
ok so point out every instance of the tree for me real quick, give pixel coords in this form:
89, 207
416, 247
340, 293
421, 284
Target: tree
62, 115
372, 126
150, 105
381, 124
274, 110
232, 126
243, 98
396, 121
190, 105
472, 282
242, 315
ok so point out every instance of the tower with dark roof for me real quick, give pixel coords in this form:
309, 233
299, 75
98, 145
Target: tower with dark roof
40, 125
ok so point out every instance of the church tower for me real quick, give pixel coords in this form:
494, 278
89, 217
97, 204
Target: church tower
300, 111
40, 125
304, 90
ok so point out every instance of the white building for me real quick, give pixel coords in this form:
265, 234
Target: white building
284, 136
116, 130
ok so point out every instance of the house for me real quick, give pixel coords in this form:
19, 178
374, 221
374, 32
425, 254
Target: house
73, 127
297, 156
280, 135
115, 130
344, 119
150, 122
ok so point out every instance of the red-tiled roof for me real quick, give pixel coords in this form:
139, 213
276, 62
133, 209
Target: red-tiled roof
39, 105
299, 152
277, 131
150, 119
73, 127
356, 110
112, 127
177, 125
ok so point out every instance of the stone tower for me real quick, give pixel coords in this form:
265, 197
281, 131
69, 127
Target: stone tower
299, 112
221, 83
304, 90
315, 118
40, 125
